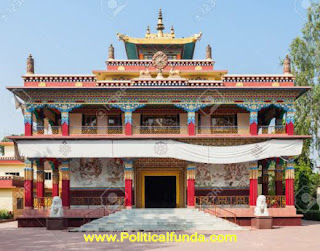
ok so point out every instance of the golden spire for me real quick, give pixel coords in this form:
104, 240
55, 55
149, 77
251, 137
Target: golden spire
148, 31
287, 65
111, 52
160, 26
172, 32
30, 65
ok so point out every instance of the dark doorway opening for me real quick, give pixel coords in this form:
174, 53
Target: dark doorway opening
160, 191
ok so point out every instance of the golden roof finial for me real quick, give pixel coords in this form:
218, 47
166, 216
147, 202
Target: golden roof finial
30, 65
287, 65
172, 32
148, 31
160, 26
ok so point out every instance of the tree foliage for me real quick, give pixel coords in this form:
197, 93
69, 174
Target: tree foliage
305, 56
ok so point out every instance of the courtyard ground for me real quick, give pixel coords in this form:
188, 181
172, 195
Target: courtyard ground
305, 237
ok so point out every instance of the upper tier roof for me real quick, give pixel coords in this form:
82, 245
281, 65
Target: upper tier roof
134, 46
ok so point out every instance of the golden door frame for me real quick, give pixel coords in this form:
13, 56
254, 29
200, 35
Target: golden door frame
158, 172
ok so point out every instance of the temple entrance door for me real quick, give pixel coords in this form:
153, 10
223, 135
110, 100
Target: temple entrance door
160, 191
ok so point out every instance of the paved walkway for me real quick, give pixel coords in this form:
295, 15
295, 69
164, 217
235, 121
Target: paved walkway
305, 237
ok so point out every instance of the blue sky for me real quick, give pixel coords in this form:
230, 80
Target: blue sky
72, 36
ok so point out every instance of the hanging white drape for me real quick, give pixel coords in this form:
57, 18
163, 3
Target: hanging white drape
158, 149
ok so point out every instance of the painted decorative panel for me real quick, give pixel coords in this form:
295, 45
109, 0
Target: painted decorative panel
95, 172
229, 175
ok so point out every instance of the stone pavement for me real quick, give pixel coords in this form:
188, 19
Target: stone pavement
305, 238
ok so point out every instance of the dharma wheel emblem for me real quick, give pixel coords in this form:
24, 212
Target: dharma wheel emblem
160, 61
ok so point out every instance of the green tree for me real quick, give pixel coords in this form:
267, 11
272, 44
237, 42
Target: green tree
304, 52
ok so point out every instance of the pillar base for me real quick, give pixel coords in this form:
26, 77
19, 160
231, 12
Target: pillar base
190, 206
128, 207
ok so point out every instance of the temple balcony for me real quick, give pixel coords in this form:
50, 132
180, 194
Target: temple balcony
157, 120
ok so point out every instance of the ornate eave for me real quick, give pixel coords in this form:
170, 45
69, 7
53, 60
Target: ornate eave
159, 40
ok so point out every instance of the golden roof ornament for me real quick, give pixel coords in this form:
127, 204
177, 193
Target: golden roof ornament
209, 52
287, 65
160, 61
148, 31
160, 26
172, 32
111, 52
30, 65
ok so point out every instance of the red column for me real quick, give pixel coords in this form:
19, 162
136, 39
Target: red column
290, 122
55, 182
128, 176
40, 178
128, 123
191, 123
28, 185
65, 188
290, 182
254, 123
191, 173
290, 128
253, 192
65, 123
28, 123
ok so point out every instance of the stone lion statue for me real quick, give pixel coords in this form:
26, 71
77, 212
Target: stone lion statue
56, 210
261, 207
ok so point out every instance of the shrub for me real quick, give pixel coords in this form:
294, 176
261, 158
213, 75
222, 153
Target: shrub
310, 215
5, 214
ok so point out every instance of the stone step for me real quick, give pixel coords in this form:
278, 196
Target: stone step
157, 220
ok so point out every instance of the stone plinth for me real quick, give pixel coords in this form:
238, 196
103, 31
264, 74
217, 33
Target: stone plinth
55, 224
262, 222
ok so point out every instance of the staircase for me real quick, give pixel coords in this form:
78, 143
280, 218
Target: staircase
168, 219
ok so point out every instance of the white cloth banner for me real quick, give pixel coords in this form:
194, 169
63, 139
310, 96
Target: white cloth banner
158, 149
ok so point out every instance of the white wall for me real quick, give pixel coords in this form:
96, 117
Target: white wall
75, 121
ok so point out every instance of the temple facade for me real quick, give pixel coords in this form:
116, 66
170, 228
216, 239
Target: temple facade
160, 129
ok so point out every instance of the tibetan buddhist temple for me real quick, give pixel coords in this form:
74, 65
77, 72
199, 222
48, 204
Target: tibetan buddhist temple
159, 130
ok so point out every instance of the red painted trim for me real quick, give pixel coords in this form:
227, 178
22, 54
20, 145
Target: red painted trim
253, 193
191, 129
28, 193
65, 129
12, 162
65, 193
27, 129
55, 190
128, 193
190, 192
289, 192
128, 129
254, 128
40, 189
290, 128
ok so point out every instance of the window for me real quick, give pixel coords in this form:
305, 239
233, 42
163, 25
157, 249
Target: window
89, 120
47, 176
223, 120
19, 203
14, 174
160, 120
114, 120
